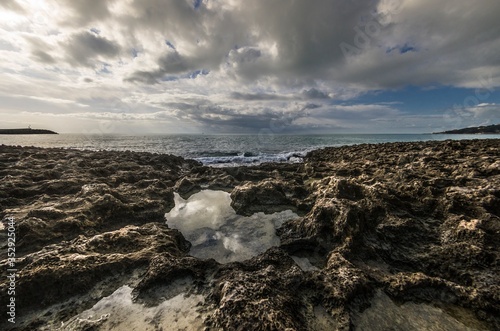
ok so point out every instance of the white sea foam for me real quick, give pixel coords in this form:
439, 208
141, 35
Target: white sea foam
252, 159
119, 312
215, 231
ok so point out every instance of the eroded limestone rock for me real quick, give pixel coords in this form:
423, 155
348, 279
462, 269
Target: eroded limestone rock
411, 226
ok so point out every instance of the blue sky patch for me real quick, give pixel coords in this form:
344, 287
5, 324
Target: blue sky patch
414, 99
169, 44
402, 49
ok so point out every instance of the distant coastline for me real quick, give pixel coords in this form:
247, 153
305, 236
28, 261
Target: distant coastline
26, 131
490, 129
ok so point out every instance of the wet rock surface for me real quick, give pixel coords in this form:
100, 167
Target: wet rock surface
389, 235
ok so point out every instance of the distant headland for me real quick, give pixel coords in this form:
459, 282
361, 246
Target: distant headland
490, 129
28, 130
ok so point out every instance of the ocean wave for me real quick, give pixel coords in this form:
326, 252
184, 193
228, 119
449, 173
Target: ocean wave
219, 153
251, 158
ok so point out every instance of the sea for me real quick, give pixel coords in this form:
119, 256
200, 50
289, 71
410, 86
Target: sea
222, 149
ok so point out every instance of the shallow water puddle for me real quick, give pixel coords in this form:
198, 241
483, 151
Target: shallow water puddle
119, 312
215, 231
384, 314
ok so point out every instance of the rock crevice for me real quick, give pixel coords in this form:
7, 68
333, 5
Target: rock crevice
408, 226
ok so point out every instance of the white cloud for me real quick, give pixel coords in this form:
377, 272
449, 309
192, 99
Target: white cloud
229, 65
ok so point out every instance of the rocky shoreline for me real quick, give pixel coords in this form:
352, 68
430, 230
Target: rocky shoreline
488, 129
26, 131
409, 227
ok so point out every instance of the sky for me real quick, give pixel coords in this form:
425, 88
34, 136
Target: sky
228, 66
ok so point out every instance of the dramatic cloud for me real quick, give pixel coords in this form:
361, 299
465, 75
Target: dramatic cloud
364, 65
84, 47
82, 12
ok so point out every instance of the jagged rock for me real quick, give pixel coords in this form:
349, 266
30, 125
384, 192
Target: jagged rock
78, 201
250, 297
186, 188
396, 225
268, 196
69, 269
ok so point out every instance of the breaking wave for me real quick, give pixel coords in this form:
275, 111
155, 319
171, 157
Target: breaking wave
250, 158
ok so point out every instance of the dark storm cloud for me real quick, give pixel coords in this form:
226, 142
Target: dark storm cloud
305, 36
449, 42
297, 42
314, 93
243, 65
256, 96
171, 67
218, 118
293, 43
247, 55
247, 123
310, 94
248, 118
307, 33
84, 47
205, 37
170, 63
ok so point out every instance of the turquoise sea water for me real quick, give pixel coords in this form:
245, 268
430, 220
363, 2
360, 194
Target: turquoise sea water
222, 149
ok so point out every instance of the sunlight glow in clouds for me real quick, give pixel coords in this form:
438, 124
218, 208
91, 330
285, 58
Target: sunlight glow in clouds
230, 66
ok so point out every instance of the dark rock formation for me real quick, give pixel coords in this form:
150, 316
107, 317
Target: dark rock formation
403, 228
26, 131
267, 195
488, 129
57, 194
